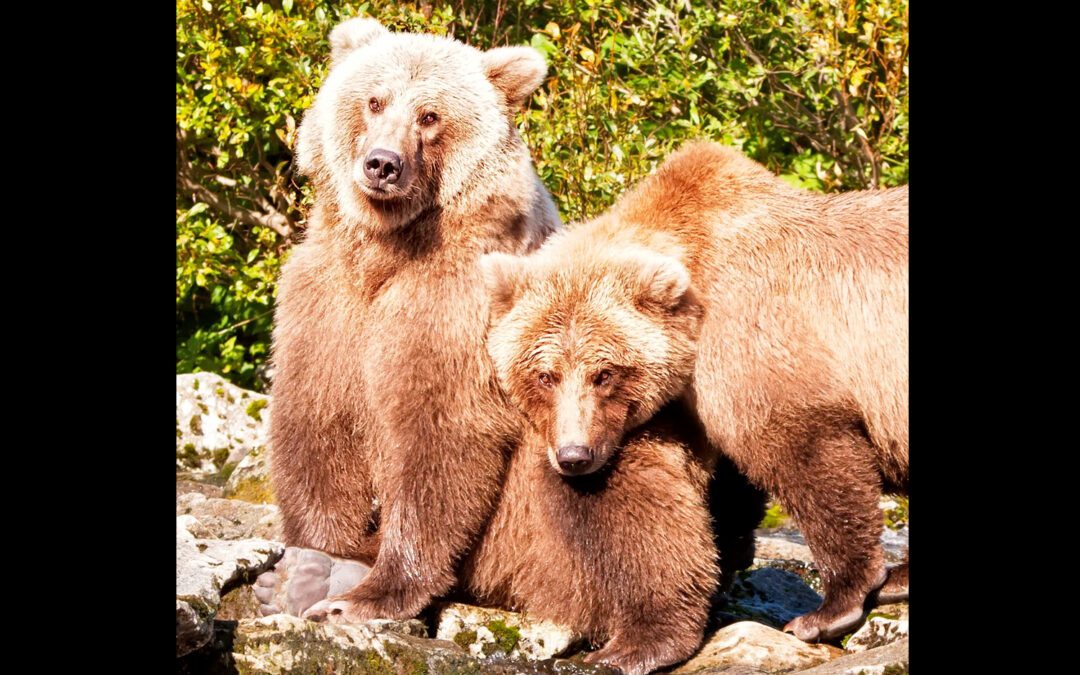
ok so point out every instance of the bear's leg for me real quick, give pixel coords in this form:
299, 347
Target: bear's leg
430, 517
737, 507
828, 482
302, 578
896, 586
647, 646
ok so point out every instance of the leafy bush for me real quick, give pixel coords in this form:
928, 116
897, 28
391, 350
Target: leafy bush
817, 91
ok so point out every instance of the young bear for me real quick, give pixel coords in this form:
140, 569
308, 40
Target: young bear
799, 373
626, 555
389, 429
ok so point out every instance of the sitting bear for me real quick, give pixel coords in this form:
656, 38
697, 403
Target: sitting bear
390, 435
799, 372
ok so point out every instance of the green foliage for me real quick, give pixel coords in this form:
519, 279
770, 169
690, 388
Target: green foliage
775, 516
815, 90
897, 517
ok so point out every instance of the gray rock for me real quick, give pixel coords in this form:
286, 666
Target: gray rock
184, 486
217, 423
771, 596
748, 644
885, 625
776, 548
891, 659
282, 643
893, 541
483, 632
206, 568
229, 518
250, 480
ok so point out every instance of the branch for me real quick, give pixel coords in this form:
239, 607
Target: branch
275, 221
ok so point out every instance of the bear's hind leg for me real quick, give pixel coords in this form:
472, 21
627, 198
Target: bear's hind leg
825, 477
896, 586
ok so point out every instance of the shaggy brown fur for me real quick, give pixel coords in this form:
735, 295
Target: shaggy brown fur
389, 430
625, 555
800, 373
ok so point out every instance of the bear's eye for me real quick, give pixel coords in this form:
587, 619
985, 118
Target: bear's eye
374, 105
602, 378
545, 379
428, 119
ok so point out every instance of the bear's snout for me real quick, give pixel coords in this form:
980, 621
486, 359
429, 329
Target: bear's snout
574, 460
382, 167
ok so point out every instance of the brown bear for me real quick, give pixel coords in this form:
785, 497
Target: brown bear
800, 368
626, 555
389, 431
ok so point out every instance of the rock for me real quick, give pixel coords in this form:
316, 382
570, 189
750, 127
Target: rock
771, 596
891, 659
250, 480
207, 568
483, 632
884, 625
184, 486
806, 571
217, 423
749, 644
213, 658
229, 518
776, 548
894, 539
239, 603
282, 643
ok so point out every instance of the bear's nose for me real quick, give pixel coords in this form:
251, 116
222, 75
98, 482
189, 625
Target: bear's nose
383, 165
574, 459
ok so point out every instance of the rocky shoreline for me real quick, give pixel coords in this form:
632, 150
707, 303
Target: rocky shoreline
228, 533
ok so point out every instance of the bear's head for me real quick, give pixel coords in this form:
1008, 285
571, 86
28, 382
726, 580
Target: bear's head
591, 346
406, 122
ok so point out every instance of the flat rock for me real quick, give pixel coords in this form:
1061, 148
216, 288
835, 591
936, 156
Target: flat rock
217, 423
229, 518
184, 486
250, 480
776, 548
751, 645
886, 624
282, 643
771, 596
484, 632
891, 659
894, 540
206, 568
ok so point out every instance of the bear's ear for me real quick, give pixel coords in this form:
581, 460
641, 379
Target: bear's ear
659, 280
516, 72
504, 277
351, 35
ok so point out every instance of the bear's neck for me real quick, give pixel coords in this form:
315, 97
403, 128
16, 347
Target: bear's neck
460, 230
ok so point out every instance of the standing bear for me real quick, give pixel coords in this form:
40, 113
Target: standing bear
799, 374
390, 433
